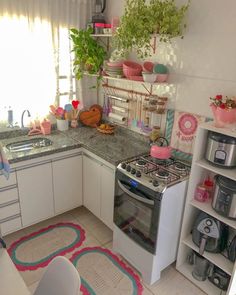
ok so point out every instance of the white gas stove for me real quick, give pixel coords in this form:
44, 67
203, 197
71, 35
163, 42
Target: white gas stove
149, 202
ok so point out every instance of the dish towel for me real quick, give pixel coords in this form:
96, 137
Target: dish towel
4, 164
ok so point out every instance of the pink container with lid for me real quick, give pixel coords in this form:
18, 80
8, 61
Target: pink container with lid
201, 193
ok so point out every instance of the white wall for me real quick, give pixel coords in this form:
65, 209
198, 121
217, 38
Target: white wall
203, 64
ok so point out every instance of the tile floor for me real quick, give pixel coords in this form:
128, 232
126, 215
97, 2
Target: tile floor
97, 234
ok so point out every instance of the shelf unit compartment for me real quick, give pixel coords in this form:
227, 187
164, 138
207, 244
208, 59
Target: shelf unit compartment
206, 286
216, 258
227, 172
206, 207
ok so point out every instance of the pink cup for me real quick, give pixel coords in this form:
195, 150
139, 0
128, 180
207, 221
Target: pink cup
201, 194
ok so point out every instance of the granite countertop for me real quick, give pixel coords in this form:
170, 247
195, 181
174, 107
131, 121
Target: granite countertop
124, 144
61, 142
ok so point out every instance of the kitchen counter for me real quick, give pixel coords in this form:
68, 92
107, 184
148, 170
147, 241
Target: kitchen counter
61, 142
124, 144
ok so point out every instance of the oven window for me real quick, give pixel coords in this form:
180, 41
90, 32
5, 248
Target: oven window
136, 218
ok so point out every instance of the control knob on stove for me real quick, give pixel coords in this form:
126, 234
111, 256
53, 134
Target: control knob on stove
155, 182
138, 174
133, 171
128, 168
123, 165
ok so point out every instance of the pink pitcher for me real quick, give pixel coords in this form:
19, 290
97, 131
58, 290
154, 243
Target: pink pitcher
223, 116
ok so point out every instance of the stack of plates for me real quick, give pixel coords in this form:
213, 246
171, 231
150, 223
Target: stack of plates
114, 69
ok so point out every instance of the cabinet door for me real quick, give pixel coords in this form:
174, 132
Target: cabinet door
35, 193
91, 185
67, 183
107, 195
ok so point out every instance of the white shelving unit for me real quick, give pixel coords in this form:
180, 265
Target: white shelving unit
200, 169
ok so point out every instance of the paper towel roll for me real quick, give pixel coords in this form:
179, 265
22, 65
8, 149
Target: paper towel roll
117, 118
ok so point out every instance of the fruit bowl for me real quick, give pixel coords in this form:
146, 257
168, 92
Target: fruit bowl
106, 128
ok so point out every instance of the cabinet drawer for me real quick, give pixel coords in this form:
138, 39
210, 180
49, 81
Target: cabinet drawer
11, 226
9, 211
9, 195
7, 182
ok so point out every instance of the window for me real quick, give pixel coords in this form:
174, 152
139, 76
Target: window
35, 56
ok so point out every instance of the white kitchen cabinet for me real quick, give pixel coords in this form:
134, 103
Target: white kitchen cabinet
10, 216
98, 188
67, 182
200, 169
35, 193
92, 185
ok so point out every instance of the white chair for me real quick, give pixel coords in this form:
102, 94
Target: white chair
60, 278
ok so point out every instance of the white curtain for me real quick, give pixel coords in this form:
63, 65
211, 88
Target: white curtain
35, 53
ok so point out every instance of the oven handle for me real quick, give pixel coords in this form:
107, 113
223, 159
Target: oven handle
132, 195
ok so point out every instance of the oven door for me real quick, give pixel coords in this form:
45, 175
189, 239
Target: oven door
136, 213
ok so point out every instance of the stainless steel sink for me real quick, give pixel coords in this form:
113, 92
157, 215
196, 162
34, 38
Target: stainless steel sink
29, 144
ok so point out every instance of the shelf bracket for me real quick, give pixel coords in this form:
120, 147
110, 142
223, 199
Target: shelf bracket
154, 45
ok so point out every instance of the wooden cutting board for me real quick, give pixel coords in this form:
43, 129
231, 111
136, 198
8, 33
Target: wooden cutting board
91, 117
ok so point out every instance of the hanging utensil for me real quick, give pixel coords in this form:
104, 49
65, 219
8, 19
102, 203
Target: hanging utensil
134, 122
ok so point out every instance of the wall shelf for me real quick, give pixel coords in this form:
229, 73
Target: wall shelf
127, 80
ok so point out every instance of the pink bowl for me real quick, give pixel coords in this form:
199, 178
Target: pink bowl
115, 64
161, 78
148, 66
131, 68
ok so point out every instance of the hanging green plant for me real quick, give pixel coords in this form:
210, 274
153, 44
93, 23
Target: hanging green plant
89, 55
144, 18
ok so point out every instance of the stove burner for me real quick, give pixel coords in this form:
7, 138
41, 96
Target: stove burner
140, 163
162, 174
180, 167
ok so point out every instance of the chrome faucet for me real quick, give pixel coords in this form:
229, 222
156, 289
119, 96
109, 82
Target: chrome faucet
22, 117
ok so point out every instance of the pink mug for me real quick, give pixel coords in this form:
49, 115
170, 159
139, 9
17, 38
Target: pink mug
201, 194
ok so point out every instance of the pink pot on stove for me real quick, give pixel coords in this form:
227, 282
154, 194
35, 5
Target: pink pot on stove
159, 151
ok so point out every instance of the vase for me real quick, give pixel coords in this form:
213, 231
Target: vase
74, 123
224, 117
62, 125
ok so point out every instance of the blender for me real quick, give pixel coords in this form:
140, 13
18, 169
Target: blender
99, 8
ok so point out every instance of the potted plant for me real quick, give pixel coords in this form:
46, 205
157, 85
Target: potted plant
224, 110
144, 18
88, 54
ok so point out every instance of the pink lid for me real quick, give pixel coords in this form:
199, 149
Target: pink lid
108, 26
99, 25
